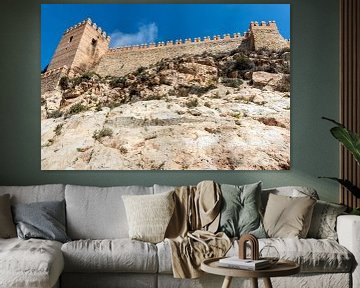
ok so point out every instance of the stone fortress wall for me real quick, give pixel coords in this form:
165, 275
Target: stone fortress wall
121, 61
84, 47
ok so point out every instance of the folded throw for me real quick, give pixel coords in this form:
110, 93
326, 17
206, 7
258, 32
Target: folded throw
191, 231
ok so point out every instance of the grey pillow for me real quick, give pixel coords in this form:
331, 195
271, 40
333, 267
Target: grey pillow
323, 222
240, 213
44, 220
7, 227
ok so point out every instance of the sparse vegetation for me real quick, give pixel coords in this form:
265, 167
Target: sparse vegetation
284, 84
117, 82
123, 150
64, 83
243, 62
192, 103
140, 70
105, 132
75, 109
55, 114
232, 82
98, 107
58, 129
84, 77
154, 96
200, 90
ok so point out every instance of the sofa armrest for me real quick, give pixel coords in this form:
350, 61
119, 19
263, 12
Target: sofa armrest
348, 230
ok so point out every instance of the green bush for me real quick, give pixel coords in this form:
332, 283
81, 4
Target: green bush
140, 70
117, 82
84, 77
76, 108
192, 103
58, 128
98, 134
64, 83
243, 63
55, 114
200, 90
231, 82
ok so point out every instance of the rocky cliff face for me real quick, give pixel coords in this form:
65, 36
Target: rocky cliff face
209, 111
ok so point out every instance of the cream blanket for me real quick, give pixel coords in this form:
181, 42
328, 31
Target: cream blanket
191, 231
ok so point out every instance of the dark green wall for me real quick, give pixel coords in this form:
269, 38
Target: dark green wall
315, 74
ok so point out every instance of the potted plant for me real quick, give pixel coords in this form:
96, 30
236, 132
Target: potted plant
351, 141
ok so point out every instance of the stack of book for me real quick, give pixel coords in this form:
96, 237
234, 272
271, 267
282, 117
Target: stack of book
248, 264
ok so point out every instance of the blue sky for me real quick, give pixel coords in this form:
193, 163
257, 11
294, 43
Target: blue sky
130, 24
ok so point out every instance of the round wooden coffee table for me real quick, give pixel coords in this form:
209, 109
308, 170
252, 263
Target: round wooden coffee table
281, 268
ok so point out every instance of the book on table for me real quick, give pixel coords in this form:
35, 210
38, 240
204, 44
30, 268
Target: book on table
236, 262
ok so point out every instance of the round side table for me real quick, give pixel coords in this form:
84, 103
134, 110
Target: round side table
281, 268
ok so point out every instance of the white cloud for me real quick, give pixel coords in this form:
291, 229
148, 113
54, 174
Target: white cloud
147, 33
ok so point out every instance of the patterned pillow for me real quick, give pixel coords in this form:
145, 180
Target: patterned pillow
323, 222
149, 215
240, 213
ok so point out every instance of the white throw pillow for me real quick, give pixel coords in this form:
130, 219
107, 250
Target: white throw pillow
149, 215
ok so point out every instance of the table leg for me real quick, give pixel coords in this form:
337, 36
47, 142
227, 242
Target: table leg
267, 283
254, 282
227, 282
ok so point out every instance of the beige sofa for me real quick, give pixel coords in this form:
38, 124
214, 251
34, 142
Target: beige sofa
101, 255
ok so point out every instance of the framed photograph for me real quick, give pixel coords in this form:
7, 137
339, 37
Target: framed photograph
165, 86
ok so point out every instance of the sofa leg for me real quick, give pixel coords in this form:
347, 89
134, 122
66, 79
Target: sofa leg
254, 282
227, 282
267, 283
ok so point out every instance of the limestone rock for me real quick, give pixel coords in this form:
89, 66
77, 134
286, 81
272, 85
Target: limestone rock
266, 80
177, 114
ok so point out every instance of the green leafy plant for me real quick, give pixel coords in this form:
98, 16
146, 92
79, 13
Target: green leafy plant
351, 141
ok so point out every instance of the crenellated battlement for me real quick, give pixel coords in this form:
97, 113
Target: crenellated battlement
179, 42
85, 46
271, 25
93, 24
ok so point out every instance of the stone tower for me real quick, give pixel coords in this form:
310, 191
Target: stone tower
80, 47
266, 35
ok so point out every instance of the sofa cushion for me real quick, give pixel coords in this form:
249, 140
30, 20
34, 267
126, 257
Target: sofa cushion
117, 255
36, 193
287, 216
323, 222
313, 255
290, 191
30, 263
149, 215
7, 226
42, 220
98, 213
240, 210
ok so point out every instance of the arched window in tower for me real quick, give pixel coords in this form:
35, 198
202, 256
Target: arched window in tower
93, 42
71, 38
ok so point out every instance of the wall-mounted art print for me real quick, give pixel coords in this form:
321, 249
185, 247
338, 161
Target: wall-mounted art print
165, 86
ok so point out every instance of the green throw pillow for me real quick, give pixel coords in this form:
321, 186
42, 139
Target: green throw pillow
240, 213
